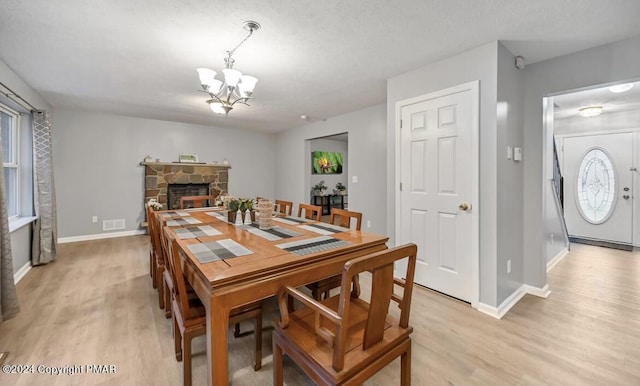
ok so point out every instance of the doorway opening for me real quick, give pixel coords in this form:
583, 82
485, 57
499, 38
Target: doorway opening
328, 171
593, 156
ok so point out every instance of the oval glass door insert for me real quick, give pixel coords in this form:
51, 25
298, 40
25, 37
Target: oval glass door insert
596, 186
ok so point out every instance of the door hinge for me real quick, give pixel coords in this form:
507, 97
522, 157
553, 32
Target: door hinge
401, 186
401, 123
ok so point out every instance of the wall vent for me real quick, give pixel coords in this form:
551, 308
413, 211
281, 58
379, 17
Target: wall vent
112, 225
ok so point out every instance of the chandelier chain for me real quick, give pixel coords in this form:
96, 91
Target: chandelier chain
231, 52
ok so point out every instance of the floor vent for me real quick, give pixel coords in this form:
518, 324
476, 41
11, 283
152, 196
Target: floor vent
112, 225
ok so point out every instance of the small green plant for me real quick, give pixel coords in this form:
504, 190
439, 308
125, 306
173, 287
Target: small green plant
340, 187
233, 205
246, 204
320, 186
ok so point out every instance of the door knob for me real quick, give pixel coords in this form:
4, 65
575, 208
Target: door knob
464, 207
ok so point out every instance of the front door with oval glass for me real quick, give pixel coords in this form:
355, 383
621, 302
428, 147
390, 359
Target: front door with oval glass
597, 187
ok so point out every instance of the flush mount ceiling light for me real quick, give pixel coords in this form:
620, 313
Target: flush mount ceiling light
236, 88
590, 111
618, 88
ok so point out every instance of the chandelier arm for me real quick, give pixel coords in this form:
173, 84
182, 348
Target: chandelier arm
241, 101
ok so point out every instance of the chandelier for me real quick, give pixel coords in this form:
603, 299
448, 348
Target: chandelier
236, 88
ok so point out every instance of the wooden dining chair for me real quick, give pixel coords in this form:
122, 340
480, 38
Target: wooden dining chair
343, 217
324, 286
157, 259
312, 212
344, 340
196, 201
286, 207
189, 317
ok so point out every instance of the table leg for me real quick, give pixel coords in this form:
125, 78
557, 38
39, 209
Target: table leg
217, 344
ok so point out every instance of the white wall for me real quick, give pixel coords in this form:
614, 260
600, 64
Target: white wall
612, 62
330, 180
510, 176
97, 170
477, 64
367, 161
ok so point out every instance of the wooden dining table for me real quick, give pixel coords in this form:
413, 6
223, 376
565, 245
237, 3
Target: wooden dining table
241, 264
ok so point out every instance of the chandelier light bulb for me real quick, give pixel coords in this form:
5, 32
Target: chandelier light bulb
217, 108
207, 76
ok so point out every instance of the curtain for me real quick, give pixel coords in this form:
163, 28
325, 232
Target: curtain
45, 230
8, 297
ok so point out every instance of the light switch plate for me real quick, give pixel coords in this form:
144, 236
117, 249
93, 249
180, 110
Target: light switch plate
354, 179
517, 154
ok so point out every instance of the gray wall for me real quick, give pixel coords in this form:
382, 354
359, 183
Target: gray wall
21, 247
367, 161
97, 170
477, 64
509, 174
330, 179
612, 62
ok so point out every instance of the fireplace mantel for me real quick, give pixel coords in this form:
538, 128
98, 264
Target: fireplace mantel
220, 166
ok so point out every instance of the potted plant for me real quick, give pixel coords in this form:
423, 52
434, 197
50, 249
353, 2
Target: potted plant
319, 188
232, 210
246, 204
340, 188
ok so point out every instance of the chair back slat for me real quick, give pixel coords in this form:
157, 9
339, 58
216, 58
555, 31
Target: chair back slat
286, 207
179, 281
381, 266
344, 218
312, 212
381, 289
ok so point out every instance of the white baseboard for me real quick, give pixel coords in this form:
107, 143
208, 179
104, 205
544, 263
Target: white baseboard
557, 258
512, 300
543, 292
73, 239
21, 272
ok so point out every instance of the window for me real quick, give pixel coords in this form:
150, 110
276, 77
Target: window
9, 120
596, 187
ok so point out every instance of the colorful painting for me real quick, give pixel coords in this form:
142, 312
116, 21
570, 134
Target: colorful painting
326, 162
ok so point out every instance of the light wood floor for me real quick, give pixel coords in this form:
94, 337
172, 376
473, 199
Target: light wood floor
95, 305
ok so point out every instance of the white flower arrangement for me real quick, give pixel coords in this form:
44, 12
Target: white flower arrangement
153, 204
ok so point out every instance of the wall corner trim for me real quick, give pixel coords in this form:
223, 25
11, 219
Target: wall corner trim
557, 258
21, 272
512, 300
73, 239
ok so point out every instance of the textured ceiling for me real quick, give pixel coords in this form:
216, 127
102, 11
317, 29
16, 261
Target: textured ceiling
314, 58
569, 105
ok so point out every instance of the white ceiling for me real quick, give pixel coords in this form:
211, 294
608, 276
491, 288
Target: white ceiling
568, 105
314, 58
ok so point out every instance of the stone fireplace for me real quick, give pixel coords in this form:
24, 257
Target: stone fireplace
209, 178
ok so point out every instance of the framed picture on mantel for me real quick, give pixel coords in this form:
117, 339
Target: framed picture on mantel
188, 157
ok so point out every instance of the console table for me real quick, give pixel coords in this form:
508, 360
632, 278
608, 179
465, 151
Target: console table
330, 201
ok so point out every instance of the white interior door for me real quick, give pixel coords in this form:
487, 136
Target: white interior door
597, 187
438, 170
